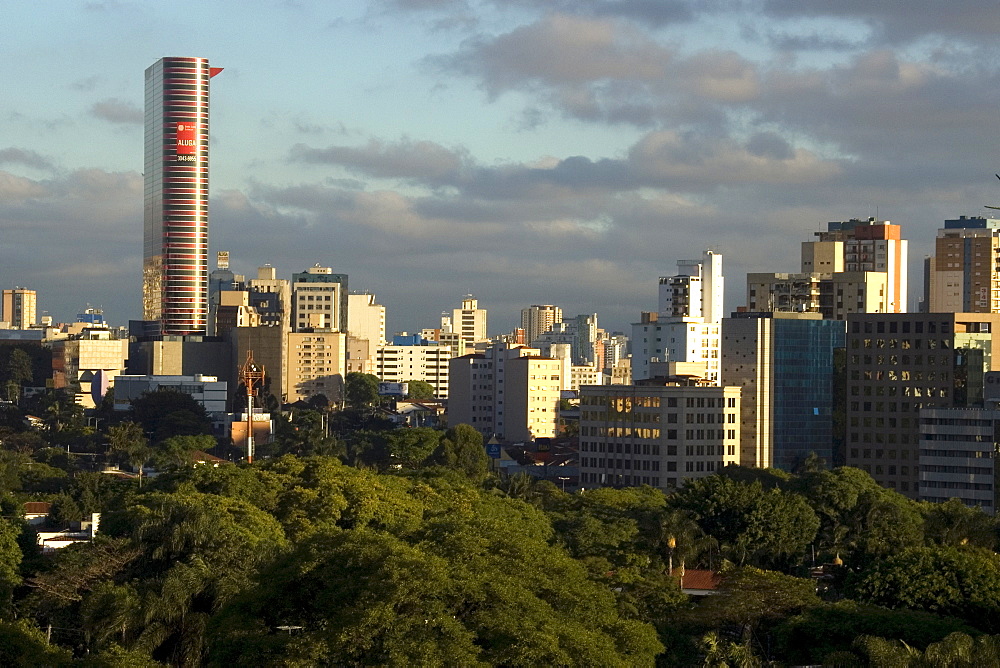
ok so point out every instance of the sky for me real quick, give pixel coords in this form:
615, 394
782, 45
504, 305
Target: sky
561, 152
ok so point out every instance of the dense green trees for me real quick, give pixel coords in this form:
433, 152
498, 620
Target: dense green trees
355, 542
753, 525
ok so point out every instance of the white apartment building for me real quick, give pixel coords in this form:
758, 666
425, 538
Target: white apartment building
317, 364
429, 363
686, 328
658, 435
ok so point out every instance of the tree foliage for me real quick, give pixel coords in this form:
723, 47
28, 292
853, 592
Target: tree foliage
960, 582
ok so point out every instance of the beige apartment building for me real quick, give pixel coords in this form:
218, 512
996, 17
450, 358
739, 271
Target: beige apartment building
964, 273
18, 308
508, 392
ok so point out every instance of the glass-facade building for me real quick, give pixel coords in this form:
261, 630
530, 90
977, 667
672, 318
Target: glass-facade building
175, 194
802, 369
784, 363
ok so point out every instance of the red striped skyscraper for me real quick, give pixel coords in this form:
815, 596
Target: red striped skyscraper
175, 216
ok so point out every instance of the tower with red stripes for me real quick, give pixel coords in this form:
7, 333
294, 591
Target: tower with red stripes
175, 194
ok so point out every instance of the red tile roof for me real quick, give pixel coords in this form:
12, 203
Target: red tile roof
696, 579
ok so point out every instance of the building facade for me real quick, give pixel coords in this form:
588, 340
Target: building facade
898, 364
19, 308
403, 363
686, 327
862, 246
958, 453
784, 364
509, 392
319, 300
658, 435
175, 185
964, 273
469, 322
538, 319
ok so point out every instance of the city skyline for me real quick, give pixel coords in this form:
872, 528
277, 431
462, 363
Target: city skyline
526, 156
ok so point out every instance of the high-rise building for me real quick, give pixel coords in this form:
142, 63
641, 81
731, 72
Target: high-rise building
784, 363
859, 246
510, 392
271, 297
538, 319
19, 308
319, 299
963, 274
175, 193
659, 435
470, 320
686, 328
898, 364
366, 318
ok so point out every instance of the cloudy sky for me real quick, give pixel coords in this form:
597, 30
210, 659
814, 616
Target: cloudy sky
524, 151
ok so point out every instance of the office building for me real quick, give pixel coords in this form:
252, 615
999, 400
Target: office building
19, 308
958, 454
656, 434
175, 186
784, 365
77, 361
898, 364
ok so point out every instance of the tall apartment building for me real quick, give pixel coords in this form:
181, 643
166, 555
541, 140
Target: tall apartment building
426, 361
19, 308
319, 300
862, 246
469, 322
686, 328
512, 393
538, 319
317, 364
659, 435
964, 273
175, 211
784, 364
898, 364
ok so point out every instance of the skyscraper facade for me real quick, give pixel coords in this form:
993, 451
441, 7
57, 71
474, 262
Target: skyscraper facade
175, 193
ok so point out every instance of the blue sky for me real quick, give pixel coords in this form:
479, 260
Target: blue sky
525, 151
